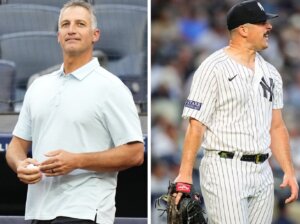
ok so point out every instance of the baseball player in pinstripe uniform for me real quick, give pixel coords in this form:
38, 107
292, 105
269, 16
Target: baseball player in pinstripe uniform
234, 110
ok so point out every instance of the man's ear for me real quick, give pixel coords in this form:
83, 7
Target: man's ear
58, 36
96, 35
243, 30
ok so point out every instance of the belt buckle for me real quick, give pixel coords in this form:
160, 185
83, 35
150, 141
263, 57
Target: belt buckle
257, 158
223, 155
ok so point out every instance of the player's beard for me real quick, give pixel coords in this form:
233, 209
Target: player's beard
266, 40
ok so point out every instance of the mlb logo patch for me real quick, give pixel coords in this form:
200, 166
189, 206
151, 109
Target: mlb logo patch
193, 104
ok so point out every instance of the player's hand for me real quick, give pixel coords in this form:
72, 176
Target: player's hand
28, 171
59, 162
179, 178
291, 182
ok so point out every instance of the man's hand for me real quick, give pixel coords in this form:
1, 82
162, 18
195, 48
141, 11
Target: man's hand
179, 178
291, 182
188, 210
27, 173
60, 162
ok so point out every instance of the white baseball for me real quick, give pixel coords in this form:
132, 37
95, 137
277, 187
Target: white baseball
31, 166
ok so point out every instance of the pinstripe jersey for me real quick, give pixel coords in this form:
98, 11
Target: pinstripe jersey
235, 103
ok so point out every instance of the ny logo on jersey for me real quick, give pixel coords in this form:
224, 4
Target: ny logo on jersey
267, 88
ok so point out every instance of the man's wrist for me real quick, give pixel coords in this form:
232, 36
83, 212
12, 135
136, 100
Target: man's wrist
19, 163
77, 161
290, 173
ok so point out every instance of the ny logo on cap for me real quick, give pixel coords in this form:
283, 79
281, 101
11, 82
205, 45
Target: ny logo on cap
260, 6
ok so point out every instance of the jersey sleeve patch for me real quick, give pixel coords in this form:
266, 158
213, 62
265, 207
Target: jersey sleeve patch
193, 104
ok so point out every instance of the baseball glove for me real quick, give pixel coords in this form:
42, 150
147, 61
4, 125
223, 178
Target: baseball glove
188, 210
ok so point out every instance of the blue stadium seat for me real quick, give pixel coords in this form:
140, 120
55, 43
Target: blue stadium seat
56, 3
130, 65
20, 18
122, 2
7, 85
122, 29
31, 52
138, 88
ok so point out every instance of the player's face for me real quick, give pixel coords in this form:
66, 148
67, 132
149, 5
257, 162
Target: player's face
259, 35
76, 35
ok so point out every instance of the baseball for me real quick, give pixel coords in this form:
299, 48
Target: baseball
31, 166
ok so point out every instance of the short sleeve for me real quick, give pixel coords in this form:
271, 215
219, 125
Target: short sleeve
201, 101
121, 116
23, 126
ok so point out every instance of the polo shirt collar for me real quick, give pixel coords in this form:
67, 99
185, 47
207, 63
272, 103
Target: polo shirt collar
83, 71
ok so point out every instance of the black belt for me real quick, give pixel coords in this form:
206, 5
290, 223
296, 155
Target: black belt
256, 158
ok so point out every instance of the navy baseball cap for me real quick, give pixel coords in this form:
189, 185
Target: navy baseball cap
247, 12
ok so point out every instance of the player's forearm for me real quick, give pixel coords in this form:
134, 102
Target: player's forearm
192, 142
281, 149
16, 152
14, 157
114, 159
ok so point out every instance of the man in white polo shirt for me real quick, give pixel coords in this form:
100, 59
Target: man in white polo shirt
83, 126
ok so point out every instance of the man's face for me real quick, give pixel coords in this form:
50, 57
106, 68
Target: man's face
76, 35
259, 35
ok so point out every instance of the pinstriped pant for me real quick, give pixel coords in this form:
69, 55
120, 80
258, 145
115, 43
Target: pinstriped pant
236, 192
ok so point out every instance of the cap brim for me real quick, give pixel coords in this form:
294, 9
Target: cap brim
271, 16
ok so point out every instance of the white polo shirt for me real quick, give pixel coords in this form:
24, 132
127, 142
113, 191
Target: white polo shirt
90, 110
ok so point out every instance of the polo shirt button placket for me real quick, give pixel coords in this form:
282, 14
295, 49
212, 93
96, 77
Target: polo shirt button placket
61, 88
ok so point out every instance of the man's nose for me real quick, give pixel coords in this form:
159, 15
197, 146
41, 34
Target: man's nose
72, 28
269, 25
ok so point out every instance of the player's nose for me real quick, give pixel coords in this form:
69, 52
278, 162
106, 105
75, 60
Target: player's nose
268, 25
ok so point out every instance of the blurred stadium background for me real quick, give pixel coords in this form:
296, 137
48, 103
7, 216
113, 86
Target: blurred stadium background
183, 34
29, 49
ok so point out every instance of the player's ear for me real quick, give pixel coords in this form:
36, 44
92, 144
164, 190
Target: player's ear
243, 30
96, 35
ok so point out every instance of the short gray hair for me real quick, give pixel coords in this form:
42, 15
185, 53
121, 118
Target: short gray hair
83, 4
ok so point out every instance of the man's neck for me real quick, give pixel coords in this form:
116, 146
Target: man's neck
72, 63
242, 54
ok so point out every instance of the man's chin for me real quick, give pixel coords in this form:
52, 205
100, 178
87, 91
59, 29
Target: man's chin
72, 51
263, 47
